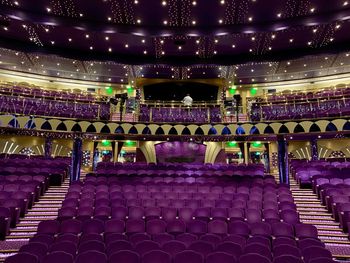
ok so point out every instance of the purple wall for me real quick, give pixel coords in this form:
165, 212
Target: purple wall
180, 152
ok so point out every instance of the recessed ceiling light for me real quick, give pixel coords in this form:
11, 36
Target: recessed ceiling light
345, 3
194, 22
312, 9
107, 38
69, 39
143, 40
279, 15
273, 36
126, 45
87, 35
250, 19
179, 47
91, 48
110, 49
337, 26
138, 21
291, 40
222, 2
233, 46
81, 15
109, 18
5, 28
145, 52
164, 3
136, 2
48, 9
220, 21
194, 2
165, 22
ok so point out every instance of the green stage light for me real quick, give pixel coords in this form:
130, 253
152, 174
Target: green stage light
231, 144
130, 143
232, 90
129, 89
256, 144
106, 143
253, 91
109, 90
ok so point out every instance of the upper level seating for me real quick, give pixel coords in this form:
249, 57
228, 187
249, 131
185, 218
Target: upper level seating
231, 221
178, 170
178, 114
37, 92
305, 171
326, 103
49, 107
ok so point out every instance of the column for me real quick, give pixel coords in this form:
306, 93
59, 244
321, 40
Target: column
242, 149
246, 152
76, 159
95, 156
314, 149
114, 157
267, 158
48, 147
283, 160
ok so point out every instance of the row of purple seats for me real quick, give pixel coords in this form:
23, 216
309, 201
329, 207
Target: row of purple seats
156, 255
15, 199
285, 213
49, 107
281, 241
54, 94
177, 227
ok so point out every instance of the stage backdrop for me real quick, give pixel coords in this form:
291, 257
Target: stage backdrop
180, 152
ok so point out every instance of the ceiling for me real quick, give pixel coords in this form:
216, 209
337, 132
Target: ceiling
243, 41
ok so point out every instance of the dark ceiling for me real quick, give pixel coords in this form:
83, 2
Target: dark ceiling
245, 41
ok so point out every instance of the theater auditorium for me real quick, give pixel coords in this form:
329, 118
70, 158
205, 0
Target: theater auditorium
174, 131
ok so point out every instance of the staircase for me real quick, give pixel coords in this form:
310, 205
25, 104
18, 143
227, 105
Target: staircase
45, 209
313, 212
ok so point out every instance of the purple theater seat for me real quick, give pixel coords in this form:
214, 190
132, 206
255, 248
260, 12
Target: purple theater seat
66, 213
282, 230
211, 238
162, 238
258, 249
34, 248
135, 226
236, 239
124, 256
114, 226
90, 237
156, 256
305, 231
5, 220
187, 238
290, 217
314, 252
115, 237
48, 227
310, 242
261, 229
146, 246
138, 237
176, 227
155, 226
119, 245
91, 245
119, 212
173, 247
91, 257
188, 256
21, 258
230, 247
217, 227
239, 228
288, 259
220, 257
281, 250
72, 226
253, 257
202, 247
64, 246
261, 240
42, 238
67, 237
284, 241
58, 257
197, 227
